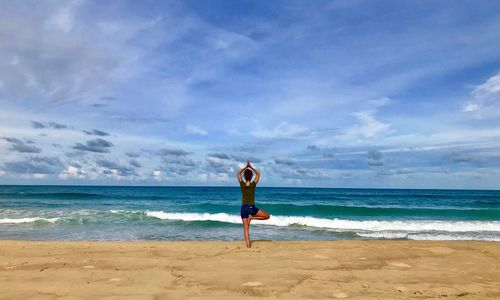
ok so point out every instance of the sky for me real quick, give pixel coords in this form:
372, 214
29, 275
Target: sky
342, 94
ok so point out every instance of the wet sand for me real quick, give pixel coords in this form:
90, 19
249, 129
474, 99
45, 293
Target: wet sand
270, 269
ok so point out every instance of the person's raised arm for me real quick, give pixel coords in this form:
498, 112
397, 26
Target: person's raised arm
239, 174
257, 173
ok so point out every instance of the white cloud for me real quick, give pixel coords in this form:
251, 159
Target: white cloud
376, 103
491, 86
46, 62
203, 177
367, 128
283, 130
157, 175
60, 54
72, 172
215, 161
486, 102
471, 107
222, 177
62, 19
192, 129
283, 160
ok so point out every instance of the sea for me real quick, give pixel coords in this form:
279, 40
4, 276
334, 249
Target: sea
118, 213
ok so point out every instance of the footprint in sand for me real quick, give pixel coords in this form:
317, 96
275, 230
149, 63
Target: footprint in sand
401, 289
89, 267
398, 264
340, 295
115, 279
252, 283
445, 291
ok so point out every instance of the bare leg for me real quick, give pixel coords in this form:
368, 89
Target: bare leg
260, 215
246, 231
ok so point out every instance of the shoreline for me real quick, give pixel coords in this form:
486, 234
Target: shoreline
360, 269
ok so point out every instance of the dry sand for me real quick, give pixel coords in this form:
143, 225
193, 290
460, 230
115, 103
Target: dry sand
227, 270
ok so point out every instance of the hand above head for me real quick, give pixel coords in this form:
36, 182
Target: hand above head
257, 173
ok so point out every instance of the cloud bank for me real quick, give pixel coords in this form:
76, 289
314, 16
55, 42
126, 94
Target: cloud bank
313, 93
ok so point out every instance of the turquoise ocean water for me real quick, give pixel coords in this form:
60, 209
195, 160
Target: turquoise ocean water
212, 213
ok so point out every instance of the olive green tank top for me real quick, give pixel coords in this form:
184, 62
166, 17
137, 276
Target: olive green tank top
248, 192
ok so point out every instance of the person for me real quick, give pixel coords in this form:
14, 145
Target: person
249, 211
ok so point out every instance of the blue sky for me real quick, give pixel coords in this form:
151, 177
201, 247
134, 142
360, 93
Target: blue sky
396, 94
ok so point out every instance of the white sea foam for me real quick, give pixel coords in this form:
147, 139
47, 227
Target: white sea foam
219, 217
340, 224
122, 211
384, 235
462, 236
27, 220
444, 237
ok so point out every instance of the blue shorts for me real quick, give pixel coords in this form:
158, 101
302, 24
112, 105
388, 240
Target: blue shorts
248, 209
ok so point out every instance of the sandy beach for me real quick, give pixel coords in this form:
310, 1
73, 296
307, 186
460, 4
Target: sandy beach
270, 269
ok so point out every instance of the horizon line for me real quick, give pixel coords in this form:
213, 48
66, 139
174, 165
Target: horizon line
235, 186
